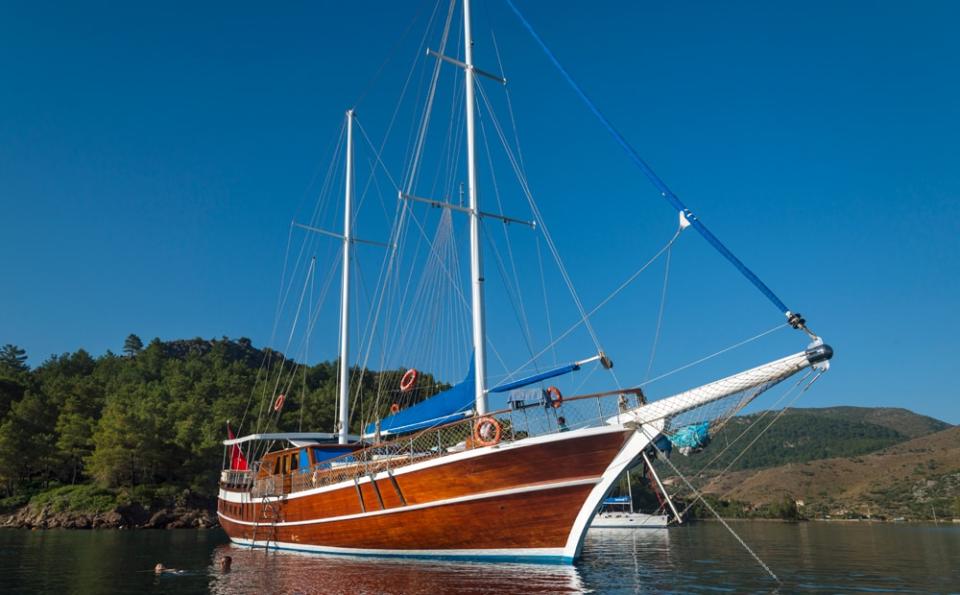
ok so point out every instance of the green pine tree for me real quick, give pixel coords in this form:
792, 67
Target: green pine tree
13, 359
27, 437
132, 345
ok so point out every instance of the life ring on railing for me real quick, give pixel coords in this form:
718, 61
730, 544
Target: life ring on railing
278, 404
395, 408
409, 380
487, 431
554, 396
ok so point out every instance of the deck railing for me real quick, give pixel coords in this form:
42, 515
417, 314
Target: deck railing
236, 479
528, 415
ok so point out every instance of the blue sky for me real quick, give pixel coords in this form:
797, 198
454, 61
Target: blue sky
152, 157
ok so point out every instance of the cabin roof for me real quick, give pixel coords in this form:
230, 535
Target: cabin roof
297, 438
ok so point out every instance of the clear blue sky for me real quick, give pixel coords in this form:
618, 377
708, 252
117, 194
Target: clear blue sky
152, 156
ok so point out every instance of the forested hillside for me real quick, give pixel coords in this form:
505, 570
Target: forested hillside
145, 425
904, 421
802, 435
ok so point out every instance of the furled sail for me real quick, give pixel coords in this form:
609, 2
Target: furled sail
552, 373
454, 403
502, 388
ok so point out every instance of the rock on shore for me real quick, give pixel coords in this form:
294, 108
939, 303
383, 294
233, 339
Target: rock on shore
123, 517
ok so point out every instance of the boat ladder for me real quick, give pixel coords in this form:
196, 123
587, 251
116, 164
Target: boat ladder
268, 519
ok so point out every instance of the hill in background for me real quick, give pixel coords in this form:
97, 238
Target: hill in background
914, 479
901, 420
833, 462
802, 435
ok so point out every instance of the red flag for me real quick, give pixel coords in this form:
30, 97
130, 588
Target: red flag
237, 460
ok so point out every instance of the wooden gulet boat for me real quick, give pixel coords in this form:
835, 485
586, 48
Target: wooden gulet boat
448, 478
445, 493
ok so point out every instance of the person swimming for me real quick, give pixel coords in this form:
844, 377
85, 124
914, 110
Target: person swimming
161, 569
225, 563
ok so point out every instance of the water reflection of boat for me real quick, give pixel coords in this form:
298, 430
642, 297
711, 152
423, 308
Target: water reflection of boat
293, 572
604, 541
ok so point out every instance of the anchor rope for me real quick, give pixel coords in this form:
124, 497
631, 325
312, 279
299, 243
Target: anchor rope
740, 540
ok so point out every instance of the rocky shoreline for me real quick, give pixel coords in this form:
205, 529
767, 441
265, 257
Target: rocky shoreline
122, 517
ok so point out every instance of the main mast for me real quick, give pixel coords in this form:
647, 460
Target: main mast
344, 422
476, 264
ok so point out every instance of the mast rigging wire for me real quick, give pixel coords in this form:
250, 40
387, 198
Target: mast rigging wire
715, 354
699, 497
663, 302
602, 303
660, 185
759, 418
264, 371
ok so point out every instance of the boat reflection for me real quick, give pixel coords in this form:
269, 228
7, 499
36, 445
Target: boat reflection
256, 571
629, 544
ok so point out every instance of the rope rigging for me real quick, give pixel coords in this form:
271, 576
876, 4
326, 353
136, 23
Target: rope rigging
586, 317
425, 299
663, 303
727, 410
541, 223
795, 320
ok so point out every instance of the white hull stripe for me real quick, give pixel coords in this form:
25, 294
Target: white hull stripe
543, 554
245, 497
448, 501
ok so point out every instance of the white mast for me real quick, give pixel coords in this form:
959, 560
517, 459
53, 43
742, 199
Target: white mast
344, 422
476, 264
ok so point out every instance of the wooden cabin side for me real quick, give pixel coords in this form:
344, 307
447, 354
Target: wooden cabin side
283, 465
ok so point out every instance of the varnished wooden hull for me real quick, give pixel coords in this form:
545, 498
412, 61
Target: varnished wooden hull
517, 501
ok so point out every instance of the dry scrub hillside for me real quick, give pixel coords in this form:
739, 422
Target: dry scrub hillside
911, 479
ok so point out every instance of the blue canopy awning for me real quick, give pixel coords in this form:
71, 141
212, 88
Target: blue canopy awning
452, 404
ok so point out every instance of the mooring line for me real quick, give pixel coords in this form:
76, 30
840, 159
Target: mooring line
715, 513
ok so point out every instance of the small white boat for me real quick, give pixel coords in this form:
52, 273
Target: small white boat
616, 512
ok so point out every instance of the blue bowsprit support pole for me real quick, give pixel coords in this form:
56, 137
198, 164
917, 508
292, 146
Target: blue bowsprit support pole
795, 320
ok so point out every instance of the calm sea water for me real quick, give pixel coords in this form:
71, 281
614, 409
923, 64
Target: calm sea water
812, 557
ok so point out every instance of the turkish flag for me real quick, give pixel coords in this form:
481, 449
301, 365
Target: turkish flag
237, 460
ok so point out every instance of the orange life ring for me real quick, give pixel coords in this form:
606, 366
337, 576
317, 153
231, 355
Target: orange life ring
482, 431
278, 404
394, 408
409, 380
556, 399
